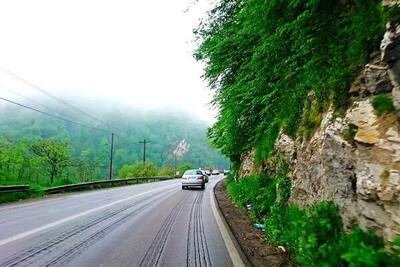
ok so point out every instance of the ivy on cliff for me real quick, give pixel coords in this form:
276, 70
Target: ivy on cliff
264, 58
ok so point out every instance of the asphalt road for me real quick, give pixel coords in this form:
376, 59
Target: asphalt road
156, 224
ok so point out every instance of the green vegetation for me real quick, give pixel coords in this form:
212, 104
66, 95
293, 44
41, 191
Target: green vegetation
146, 170
185, 167
54, 153
38, 150
34, 191
279, 64
349, 133
138, 169
313, 235
259, 191
382, 104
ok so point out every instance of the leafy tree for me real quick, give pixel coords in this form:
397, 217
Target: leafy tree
184, 167
55, 154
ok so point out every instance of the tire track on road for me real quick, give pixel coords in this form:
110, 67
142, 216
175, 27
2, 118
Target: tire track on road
47, 246
155, 250
197, 248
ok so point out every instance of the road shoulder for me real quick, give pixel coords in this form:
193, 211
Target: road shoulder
256, 250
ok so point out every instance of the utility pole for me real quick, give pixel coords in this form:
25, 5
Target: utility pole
144, 142
111, 155
199, 164
175, 159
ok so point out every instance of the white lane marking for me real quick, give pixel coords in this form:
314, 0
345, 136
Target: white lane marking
230, 246
50, 199
73, 217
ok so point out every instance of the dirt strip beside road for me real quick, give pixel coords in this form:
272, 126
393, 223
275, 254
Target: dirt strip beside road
251, 240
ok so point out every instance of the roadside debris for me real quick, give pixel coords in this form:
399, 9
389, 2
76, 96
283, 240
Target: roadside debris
259, 226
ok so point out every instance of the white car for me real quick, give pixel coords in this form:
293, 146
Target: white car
215, 172
193, 178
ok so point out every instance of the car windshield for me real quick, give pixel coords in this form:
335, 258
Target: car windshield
192, 172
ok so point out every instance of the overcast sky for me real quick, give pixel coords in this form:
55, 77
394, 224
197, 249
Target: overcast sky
137, 52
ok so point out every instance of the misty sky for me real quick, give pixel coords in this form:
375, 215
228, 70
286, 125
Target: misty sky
135, 52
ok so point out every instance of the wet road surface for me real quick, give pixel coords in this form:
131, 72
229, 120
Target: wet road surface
156, 224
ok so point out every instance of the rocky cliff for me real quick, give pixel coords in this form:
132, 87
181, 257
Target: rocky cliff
353, 159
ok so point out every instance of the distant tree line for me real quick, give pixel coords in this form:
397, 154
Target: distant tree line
36, 149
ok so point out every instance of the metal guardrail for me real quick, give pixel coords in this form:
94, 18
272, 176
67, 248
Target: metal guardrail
83, 186
14, 188
97, 184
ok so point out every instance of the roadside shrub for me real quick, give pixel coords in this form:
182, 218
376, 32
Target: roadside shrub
244, 191
64, 181
313, 235
258, 191
34, 191
138, 170
8, 197
363, 248
166, 171
304, 231
382, 104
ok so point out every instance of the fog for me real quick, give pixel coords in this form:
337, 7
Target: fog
133, 54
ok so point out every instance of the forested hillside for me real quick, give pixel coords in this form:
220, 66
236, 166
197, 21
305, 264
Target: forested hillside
88, 150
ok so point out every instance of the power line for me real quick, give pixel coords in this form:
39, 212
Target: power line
54, 116
43, 91
33, 101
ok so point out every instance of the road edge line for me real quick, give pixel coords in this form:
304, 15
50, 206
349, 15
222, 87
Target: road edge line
73, 217
234, 250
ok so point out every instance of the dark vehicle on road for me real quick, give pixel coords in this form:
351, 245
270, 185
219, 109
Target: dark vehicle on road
193, 178
205, 175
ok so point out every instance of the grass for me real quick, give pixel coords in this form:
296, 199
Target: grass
382, 104
313, 235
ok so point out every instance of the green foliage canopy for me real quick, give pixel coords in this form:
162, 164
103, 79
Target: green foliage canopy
263, 58
138, 169
55, 153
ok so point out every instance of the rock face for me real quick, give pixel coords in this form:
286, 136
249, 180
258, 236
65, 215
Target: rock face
360, 172
386, 3
355, 160
247, 165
